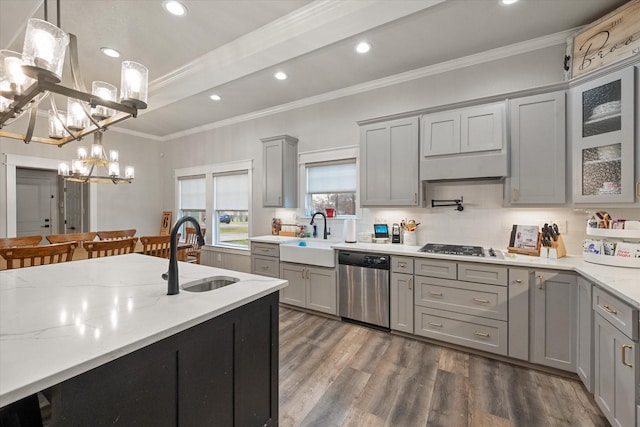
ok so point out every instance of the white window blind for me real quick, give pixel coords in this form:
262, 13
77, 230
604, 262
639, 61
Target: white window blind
192, 193
232, 192
331, 178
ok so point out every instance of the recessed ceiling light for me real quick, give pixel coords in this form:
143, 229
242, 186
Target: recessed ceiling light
110, 52
363, 47
280, 75
215, 97
174, 7
507, 2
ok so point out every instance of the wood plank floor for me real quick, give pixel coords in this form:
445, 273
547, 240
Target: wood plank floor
339, 374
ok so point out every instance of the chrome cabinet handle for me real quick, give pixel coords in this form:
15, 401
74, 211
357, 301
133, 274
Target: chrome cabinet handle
402, 264
481, 301
481, 334
437, 325
608, 309
540, 279
637, 188
410, 284
302, 275
518, 281
438, 294
415, 197
624, 352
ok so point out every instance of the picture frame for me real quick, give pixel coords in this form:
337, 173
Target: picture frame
165, 223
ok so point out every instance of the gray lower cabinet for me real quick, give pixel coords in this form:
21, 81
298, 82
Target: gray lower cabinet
309, 287
616, 357
584, 353
401, 294
389, 163
554, 320
463, 304
265, 259
519, 280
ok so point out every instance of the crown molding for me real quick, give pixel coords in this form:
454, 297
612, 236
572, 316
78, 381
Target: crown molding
443, 67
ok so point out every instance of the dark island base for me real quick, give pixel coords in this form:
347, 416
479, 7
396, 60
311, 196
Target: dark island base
223, 372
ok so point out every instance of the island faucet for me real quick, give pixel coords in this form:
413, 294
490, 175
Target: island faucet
325, 223
172, 275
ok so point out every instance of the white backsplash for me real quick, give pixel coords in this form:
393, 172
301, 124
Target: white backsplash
483, 222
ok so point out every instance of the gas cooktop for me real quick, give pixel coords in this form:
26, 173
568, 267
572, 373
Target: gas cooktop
435, 248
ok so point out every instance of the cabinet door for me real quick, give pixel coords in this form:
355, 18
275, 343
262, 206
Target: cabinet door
538, 143
389, 163
602, 121
481, 128
584, 354
554, 320
321, 289
519, 313
401, 300
295, 292
616, 359
440, 133
273, 173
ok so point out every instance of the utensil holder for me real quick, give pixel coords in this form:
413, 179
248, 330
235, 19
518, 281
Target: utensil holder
409, 238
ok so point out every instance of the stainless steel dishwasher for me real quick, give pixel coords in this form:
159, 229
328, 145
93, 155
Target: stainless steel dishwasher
363, 283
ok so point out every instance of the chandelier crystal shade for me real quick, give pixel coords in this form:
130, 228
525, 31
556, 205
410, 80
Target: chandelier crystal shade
28, 77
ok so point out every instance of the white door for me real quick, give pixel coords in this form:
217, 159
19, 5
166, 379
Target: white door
36, 199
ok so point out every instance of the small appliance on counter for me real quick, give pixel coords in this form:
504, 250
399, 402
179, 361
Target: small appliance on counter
395, 233
380, 233
350, 231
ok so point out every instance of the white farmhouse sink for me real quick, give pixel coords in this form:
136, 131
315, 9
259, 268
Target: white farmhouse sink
314, 252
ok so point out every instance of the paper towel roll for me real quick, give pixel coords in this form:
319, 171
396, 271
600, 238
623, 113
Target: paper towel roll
350, 231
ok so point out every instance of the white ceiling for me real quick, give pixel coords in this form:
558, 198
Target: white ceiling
233, 47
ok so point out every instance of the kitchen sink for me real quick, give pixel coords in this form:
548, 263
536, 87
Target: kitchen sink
209, 283
310, 252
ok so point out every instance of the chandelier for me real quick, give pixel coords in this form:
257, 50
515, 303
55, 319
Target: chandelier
27, 78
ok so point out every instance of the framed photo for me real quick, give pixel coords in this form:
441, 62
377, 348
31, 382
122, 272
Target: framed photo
165, 224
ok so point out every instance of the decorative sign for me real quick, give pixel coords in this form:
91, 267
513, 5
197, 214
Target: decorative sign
613, 37
165, 225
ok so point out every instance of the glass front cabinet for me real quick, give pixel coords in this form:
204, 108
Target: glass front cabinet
603, 139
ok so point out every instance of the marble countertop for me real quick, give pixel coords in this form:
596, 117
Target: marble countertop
273, 239
60, 320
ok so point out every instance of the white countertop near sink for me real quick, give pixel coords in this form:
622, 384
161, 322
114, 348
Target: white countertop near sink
60, 320
274, 239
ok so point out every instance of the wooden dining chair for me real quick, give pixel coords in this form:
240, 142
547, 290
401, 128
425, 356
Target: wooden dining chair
191, 238
159, 246
116, 234
30, 256
72, 237
12, 242
103, 248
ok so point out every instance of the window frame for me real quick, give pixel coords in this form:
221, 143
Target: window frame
209, 171
328, 156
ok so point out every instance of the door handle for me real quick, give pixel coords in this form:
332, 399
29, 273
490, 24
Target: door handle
624, 359
46, 220
608, 309
515, 194
410, 280
44, 226
540, 279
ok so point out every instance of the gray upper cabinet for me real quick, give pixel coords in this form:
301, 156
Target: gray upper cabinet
389, 163
441, 133
538, 147
602, 137
280, 164
554, 320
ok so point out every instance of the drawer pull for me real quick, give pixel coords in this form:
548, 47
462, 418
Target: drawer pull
481, 301
608, 309
264, 267
402, 264
437, 294
481, 334
437, 325
518, 281
624, 353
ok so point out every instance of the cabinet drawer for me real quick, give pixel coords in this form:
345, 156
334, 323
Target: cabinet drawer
462, 329
469, 298
482, 273
265, 249
400, 264
266, 266
435, 268
618, 313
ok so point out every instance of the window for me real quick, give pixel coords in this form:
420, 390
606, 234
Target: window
331, 185
231, 208
193, 200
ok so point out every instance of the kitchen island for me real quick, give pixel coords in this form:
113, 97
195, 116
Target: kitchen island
106, 344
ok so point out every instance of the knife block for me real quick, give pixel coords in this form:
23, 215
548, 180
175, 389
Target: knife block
558, 245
